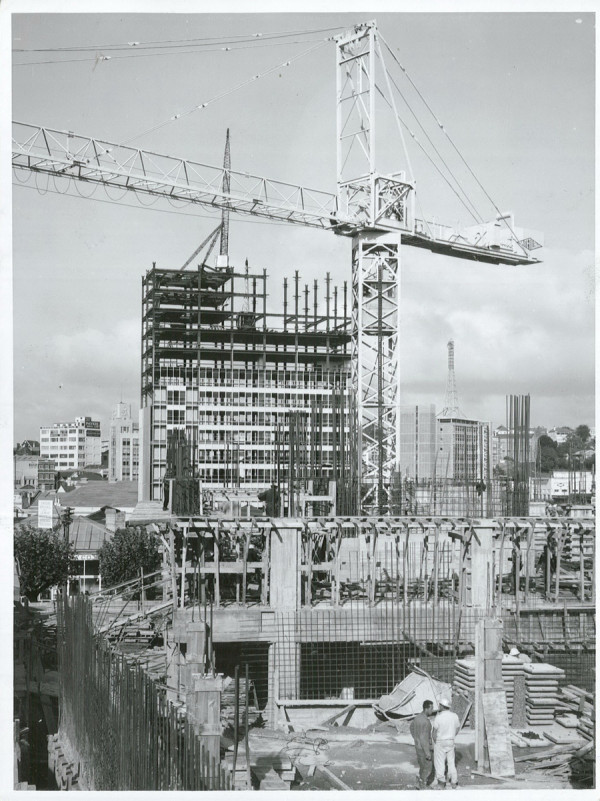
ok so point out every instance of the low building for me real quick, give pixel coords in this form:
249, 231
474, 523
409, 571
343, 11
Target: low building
566, 484
72, 446
87, 537
561, 434
29, 447
26, 471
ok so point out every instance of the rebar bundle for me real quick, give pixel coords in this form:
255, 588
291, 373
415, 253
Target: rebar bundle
517, 488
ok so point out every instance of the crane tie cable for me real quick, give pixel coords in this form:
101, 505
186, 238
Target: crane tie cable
447, 135
156, 44
247, 82
476, 215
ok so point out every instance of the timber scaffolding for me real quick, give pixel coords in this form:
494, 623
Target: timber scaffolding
321, 607
249, 388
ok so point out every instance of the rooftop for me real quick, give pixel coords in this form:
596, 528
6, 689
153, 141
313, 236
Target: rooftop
87, 535
118, 494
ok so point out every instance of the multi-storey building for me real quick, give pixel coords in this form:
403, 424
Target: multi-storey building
464, 450
46, 473
72, 446
502, 439
219, 367
417, 441
123, 450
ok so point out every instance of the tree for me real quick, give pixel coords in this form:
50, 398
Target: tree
583, 432
45, 559
549, 459
546, 442
130, 549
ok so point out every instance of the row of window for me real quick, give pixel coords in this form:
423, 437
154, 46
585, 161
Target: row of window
224, 418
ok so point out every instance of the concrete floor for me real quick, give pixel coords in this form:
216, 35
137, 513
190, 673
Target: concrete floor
385, 759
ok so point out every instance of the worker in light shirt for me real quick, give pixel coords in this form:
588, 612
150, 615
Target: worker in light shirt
446, 726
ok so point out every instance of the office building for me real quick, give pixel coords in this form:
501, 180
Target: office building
72, 446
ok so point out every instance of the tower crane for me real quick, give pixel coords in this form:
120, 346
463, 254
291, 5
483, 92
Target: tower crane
376, 210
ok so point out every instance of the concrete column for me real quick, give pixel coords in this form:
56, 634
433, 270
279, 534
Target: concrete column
488, 676
145, 455
203, 707
481, 572
285, 599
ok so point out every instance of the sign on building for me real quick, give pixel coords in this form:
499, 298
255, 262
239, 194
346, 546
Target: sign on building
45, 514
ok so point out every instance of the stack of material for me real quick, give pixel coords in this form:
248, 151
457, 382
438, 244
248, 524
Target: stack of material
228, 703
576, 543
464, 677
267, 757
541, 682
272, 781
241, 778
581, 712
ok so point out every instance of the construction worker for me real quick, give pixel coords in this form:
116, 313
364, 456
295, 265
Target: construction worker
446, 726
420, 729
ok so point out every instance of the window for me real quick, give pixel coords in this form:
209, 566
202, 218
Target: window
176, 417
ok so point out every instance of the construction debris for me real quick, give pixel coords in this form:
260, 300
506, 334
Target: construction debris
406, 699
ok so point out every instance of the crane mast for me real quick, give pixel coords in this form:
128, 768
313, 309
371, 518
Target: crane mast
379, 207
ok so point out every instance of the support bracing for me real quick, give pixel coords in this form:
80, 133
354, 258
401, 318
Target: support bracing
376, 362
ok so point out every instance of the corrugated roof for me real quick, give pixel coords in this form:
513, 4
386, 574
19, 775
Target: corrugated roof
87, 535
118, 494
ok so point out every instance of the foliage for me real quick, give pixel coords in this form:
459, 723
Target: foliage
549, 459
553, 456
45, 558
583, 432
130, 549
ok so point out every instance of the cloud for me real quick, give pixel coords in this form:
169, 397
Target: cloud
82, 373
526, 329
516, 330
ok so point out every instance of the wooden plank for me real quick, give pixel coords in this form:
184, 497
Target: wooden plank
498, 734
333, 778
333, 718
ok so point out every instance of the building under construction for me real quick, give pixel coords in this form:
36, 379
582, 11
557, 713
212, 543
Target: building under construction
260, 398
332, 602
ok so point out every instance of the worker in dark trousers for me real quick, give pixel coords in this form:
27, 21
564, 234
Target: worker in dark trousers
517, 564
420, 729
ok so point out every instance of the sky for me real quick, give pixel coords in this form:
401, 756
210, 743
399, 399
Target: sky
515, 92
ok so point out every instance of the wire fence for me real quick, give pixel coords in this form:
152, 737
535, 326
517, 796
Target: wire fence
128, 736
